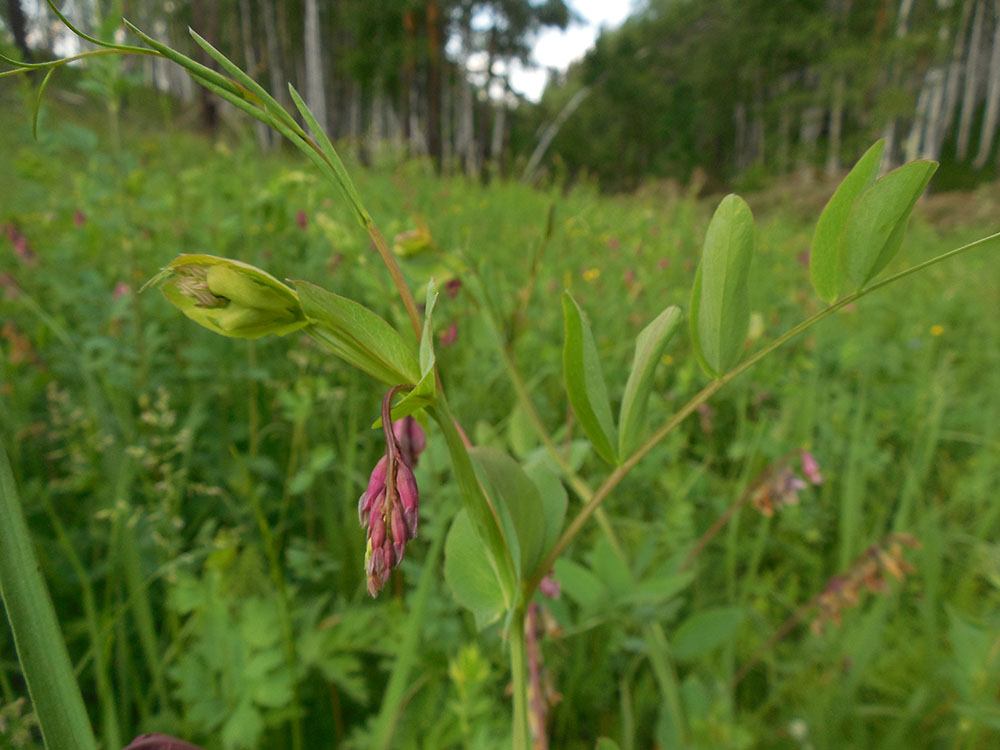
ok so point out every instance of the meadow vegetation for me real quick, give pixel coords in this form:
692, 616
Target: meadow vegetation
193, 499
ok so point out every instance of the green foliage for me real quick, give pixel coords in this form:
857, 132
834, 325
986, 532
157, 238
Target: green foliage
585, 382
649, 346
826, 255
133, 424
720, 297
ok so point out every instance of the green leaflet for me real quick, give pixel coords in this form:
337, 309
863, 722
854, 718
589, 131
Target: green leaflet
874, 230
649, 346
470, 576
826, 265
585, 381
704, 631
423, 393
720, 298
359, 336
518, 502
554, 502
38, 640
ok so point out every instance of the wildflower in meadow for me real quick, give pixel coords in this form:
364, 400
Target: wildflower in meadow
8, 283
302, 220
779, 490
79, 218
22, 248
450, 335
868, 573
452, 287
810, 467
389, 507
160, 742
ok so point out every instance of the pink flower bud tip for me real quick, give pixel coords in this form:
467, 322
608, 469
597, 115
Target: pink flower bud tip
810, 467
411, 439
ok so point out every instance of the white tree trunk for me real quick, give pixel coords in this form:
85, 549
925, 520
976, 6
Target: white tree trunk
889, 133
550, 132
274, 67
971, 82
914, 141
949, 103
260, 130
992, 96
497, 136
836, 124
315, 92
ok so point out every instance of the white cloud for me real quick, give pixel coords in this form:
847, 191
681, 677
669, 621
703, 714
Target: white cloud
558, 49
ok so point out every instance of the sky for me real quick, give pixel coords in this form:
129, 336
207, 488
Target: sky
557, 49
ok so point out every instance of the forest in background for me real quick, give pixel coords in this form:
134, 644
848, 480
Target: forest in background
731, 88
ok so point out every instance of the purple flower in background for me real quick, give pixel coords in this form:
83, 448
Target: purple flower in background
302, 219
159, 742
810, 467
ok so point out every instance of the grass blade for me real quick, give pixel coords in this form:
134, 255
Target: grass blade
37, 638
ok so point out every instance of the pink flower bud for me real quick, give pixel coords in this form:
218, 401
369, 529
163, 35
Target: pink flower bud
400, 533
810, 467
411, 439
450, 335
550, 587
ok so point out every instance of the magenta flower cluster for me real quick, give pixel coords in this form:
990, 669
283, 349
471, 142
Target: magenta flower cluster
389, 507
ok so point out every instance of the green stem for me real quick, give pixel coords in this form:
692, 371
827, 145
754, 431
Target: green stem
615, 478
41, 650
484, 517
519, 678
395, 692
98, 640
285, 614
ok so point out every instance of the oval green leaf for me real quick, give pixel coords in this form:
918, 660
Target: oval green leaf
720, 299
585, 382
516, 496
826, 264
359, 336
470, 575
875, 227
649, 346
704, 631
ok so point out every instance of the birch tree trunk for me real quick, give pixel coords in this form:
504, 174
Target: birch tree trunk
971, 82
497, 137
946, 114
836, 123
274, 67
435, 52
315, 93
992, 96
553, 129
889, 132
260, 130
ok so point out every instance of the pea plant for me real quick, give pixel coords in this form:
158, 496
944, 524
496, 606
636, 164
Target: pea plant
514, 522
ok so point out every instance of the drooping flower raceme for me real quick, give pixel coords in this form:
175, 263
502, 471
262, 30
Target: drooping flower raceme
389, 506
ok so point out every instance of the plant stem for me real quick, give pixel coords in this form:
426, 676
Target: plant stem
615, 478
519, 678
41, 650
395, 692
273, 553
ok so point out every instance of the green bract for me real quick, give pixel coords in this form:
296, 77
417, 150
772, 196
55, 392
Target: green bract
231, 297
